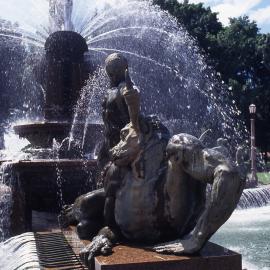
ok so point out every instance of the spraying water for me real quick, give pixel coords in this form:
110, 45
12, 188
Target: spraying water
19, 252
256, 197
165, 64
6, 190
60, 15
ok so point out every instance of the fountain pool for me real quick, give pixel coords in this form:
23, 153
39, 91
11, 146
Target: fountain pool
248, 232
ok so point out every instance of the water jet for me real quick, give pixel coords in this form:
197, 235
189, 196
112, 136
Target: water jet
62, 73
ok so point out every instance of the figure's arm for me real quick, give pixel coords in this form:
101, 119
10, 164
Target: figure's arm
132, 98
226, 190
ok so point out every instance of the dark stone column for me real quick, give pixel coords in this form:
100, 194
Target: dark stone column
62, 74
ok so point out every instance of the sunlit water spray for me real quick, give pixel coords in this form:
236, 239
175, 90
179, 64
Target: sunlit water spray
256, 197
6, 202
165, 64
88, 109
19, 252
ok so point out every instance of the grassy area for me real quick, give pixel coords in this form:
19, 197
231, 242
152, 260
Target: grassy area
264, 178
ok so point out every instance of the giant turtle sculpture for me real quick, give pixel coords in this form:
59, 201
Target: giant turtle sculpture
155, 191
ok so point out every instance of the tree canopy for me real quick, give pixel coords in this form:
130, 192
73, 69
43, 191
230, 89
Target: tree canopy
239, 52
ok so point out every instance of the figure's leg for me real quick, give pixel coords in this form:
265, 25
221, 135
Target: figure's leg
88, 207
90, 214
102, 244
226, 191
91, 205
88, 228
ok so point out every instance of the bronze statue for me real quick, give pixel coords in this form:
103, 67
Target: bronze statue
155, 190
115, 111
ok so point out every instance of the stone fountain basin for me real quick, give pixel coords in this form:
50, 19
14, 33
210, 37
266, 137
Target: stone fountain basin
41, 134
48, 184
45, 186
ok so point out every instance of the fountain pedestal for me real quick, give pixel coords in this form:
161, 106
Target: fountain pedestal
47, 184
127, 257
62, 73
211, 257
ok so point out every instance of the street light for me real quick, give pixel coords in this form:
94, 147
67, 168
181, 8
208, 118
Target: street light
252, 111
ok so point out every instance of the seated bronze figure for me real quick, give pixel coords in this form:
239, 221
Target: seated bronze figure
155, 190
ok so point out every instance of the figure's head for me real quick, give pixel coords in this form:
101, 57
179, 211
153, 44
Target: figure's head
116, 65
182, 146
126, 151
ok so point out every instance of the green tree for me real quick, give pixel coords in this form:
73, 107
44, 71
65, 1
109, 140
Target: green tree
238, 52
262, 97
245, 67
238, 59
200, 22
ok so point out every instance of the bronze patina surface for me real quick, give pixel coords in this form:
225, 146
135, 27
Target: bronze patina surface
154, 184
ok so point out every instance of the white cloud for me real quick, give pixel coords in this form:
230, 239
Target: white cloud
229, 8
28, 13
207, 2
234, 8
262, 15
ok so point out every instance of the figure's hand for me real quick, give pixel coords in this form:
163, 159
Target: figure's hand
129, 83
100, 245
178, 247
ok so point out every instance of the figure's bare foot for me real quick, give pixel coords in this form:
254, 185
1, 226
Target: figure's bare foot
100, 245
178, 247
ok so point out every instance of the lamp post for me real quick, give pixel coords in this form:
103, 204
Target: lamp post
252, 111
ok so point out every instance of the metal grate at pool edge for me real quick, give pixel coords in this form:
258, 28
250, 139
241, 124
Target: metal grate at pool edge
54, 252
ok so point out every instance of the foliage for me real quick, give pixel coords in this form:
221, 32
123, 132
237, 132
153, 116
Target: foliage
239, 52
200, 22
264, 178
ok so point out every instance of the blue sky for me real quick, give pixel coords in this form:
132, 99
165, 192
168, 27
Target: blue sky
257, 10
32, 12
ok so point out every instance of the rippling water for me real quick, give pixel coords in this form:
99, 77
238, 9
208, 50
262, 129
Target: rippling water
19, 253
248, 232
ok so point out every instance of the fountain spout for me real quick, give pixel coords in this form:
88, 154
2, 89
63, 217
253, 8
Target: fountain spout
68, 6
62, 73
60, 12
